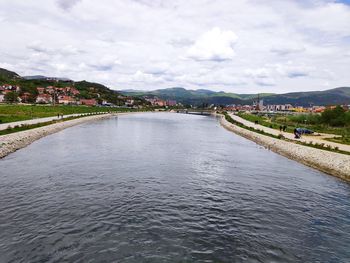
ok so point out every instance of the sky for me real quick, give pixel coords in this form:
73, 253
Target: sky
240, 46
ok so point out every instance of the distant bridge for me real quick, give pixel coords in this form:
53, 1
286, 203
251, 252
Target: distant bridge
196, 112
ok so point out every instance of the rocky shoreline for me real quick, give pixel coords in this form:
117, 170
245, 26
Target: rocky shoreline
332, 163
12, 142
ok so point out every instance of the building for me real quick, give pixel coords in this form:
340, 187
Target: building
64, 99
171, 103
40, 90
43, 98
10, 88
279, 107
2, 97
74, 91
25, 96
160, 103
129, 102
50, 90
88, 102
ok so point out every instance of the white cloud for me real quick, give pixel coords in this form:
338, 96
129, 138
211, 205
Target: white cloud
67, 4
287, 49
237, 46
291, 70
216, 45
261, 76
257, 73
105, 63
140, 76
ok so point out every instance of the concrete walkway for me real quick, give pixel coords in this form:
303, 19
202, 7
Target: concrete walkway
305, 138
4, 126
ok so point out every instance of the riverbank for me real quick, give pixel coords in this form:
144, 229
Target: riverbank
12, 142
329, 162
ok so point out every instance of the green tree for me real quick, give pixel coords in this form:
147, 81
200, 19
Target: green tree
334, 117
11, 97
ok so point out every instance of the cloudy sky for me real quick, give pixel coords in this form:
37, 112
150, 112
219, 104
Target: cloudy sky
241, 46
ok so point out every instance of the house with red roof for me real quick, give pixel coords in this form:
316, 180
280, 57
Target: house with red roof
40, 90
64, 99
88, 102
44, 98
25, 96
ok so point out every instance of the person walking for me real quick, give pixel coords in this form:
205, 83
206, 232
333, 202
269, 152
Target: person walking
296, 134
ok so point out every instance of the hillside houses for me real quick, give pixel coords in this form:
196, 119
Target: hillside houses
282, 107
88, 102
44, 99
161, 103
66, 100
48, 95
9, 88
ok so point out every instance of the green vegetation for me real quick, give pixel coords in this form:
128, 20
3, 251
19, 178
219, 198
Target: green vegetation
331, 121
25, 127
11, 113
229, 119
321, 146
88, 90
265, 121
11, 97
198, 97
345, 139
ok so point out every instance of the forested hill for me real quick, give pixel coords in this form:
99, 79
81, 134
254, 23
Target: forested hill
87, 89
196, 97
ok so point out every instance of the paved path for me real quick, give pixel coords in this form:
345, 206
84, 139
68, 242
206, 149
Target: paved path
38, 120
290, 136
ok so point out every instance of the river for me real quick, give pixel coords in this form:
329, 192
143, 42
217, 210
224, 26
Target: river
162, 187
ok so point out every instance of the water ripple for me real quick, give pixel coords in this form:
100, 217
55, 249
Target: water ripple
166, 188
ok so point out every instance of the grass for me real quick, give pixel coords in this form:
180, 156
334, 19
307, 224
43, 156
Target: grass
295, 121
321, 146
342, 140
264, 121
25, 127
229, 119
11, 113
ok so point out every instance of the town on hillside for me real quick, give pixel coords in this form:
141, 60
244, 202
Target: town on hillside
70, 95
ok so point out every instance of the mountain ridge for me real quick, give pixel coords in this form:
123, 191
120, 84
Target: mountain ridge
340, 95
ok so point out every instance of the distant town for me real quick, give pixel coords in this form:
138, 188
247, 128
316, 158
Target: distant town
70, 95
259, 106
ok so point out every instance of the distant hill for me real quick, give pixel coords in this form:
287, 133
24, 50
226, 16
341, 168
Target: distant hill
193, 97
327, 97
40, 77
198, 97
6, 74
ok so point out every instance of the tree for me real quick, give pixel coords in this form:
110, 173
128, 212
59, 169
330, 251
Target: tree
334, 117
11, 97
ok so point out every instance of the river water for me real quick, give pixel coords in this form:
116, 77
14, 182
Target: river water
161, 187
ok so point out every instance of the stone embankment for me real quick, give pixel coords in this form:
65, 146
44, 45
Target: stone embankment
332, 163
12, 142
